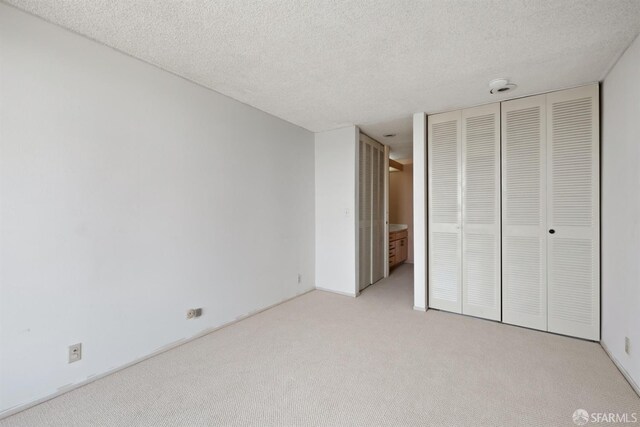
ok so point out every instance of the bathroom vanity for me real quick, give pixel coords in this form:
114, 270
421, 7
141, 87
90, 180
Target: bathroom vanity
398, 245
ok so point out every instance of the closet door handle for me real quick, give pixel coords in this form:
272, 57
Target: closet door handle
552, 231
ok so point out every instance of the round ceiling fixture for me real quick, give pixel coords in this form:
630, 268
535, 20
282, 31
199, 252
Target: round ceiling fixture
389, 135
501, 85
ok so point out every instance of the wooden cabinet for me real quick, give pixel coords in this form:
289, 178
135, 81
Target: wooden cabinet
398, 247
403, 250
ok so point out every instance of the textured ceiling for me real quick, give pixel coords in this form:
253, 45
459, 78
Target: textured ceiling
324, 64
401, 145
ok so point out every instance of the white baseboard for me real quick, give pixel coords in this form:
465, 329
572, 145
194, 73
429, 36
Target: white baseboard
347, 294
623, 371
66, 389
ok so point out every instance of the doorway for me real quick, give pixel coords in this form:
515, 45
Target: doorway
400, 213
385, 209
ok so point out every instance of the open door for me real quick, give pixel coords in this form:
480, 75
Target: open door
372, 204
386, 211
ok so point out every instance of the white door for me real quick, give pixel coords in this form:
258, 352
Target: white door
385, 219
445, 241
377, 215
364, 207
573, 212
524, 270
481, 212
371, 206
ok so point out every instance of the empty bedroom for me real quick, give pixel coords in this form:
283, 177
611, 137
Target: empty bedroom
319, 213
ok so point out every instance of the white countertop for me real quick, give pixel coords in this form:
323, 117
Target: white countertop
397, 227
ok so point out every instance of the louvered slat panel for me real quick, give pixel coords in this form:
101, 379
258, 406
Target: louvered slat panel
364, 260
374, 206
480, 283
572, 163
573, 212
480, 212
381, 215
444, 172
480, 163
377, 268
368, 206
445, 273
523, 166
524, 282
523, 269
572, 270
444, 208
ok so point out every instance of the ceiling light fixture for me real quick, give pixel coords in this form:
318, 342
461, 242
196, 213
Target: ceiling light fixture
501, 85
389, 135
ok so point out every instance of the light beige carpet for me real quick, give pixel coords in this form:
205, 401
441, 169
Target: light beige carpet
326, 359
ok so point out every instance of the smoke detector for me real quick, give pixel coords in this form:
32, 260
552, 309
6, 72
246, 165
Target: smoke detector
501, 86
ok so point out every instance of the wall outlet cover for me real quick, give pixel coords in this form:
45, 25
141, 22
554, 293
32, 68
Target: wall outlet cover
75, 352
194, 312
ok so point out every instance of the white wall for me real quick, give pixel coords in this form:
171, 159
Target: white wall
129, 195
621, 210
335, 186
420, 211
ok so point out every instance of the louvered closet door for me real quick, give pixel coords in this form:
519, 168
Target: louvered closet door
364, 207
573, 212
524, 281
481, 212
445, 248
377, 260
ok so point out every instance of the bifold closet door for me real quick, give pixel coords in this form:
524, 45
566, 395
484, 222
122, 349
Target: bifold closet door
573, 212
371, 206
364, 207
444, 211
524, 251
550, 161
377, 215
481, 212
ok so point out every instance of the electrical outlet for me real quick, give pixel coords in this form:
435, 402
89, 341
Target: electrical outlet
75, 352
194, 312
299, 278
627, 345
